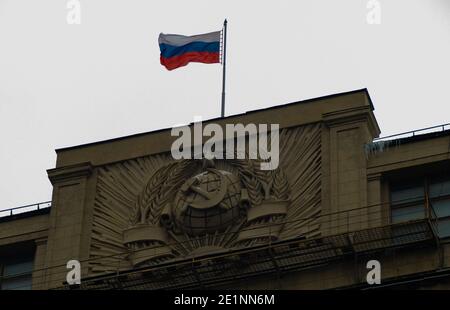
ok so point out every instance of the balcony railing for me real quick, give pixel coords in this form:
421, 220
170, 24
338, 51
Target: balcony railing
25, 209
413, 133
383, 143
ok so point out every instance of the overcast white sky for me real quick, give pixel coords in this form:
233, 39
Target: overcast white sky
64, 85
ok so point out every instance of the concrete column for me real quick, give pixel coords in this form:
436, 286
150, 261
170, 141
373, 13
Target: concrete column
39, 264
347, 133
67, 231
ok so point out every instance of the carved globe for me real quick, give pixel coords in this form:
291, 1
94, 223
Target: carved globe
208, 202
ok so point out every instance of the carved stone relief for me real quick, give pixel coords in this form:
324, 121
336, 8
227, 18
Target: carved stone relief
154, 209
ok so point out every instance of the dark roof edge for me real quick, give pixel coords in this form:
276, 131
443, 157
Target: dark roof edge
220, 118
24, 215
415, 138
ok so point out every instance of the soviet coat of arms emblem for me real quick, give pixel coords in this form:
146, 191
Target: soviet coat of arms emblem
188, 207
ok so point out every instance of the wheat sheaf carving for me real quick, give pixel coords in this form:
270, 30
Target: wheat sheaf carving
248, 177
159, 190
280, 187
262, 184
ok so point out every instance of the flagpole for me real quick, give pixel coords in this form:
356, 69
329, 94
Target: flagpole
224, 56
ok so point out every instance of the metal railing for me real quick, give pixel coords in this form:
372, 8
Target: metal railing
279, 258
413, 133
24, 209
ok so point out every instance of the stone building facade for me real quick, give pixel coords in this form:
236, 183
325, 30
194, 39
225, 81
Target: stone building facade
135, 218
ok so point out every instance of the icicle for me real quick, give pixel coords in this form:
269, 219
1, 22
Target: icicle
379, 146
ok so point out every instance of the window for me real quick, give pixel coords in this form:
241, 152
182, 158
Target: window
16, 275
409, 201
440, 203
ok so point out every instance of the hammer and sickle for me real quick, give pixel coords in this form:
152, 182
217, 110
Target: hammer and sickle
211, 199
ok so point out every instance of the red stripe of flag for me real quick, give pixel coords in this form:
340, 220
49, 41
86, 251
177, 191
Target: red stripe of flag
183, 59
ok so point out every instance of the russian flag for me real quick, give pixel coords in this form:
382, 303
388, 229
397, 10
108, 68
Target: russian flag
177, 50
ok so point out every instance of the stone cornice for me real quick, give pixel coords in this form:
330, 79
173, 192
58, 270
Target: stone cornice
356, 114
66, 173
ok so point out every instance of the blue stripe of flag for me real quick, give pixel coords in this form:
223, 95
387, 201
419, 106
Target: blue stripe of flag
168, 51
